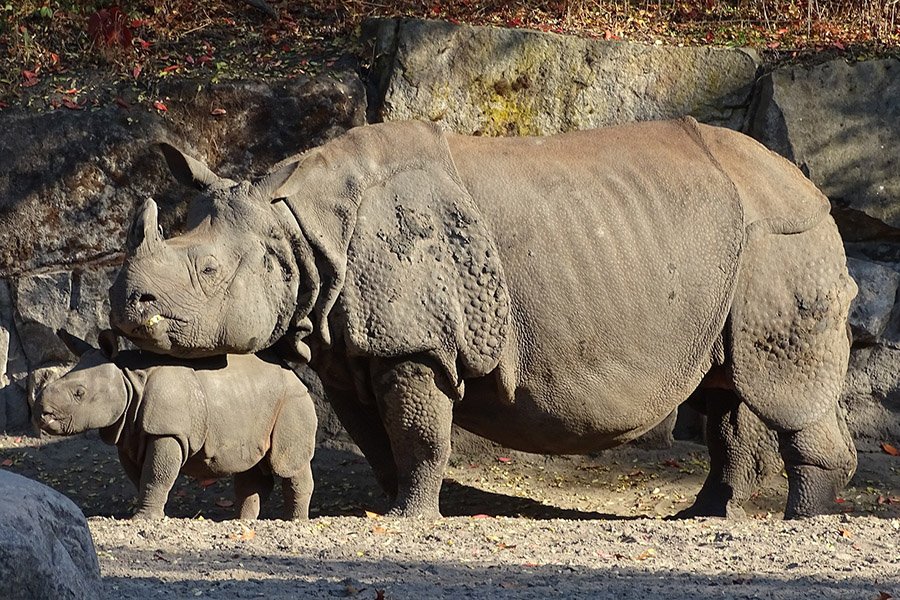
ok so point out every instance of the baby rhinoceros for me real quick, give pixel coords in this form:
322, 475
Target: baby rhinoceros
232, 415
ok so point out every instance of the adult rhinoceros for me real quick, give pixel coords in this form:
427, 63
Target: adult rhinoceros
555, 294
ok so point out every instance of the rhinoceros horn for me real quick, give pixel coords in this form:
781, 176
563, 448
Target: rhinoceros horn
145, 233
75, 344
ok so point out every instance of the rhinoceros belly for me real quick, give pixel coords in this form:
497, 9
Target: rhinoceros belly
620, 248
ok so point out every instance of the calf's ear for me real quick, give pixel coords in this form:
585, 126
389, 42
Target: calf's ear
188, 171
75, 344
109, 343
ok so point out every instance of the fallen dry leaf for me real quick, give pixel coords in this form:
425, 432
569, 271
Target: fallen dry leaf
245, 535
889, 449
217, 112
205, 483
372, 515
846, 533
160, 106
504, 459
224, 503
7, 463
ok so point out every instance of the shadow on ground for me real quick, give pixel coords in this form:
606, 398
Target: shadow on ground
621, 483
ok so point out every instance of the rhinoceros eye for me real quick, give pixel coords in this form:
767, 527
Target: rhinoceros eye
78, 394
209, 266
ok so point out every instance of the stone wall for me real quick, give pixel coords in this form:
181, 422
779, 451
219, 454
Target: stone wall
73, 178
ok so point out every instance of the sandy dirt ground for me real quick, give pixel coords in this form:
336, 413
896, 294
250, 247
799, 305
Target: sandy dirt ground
516, 526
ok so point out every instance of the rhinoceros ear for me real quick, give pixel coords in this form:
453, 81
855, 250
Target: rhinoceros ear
109, 343
282, 182
188, 171
75, 344
145, 231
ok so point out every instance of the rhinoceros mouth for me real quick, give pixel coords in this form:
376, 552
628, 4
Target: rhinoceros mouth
148, 327
51, 424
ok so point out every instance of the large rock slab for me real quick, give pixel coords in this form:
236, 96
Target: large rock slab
840, 122
487, 81
46, 550
71, 180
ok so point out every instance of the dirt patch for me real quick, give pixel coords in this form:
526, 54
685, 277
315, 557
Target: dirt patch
518, 526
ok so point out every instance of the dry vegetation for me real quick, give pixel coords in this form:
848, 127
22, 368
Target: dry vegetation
67, 48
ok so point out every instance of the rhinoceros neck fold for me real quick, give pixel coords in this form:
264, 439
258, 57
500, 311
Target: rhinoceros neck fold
335, 178
134, 382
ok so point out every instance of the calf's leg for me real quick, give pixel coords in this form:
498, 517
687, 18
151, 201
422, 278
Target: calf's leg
297, 491
162, 463
251, 489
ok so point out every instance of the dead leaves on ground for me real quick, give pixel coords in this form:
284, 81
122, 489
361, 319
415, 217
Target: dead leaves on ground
889, 449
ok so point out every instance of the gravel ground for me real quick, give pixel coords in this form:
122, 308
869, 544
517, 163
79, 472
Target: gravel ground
465, 557
518, 526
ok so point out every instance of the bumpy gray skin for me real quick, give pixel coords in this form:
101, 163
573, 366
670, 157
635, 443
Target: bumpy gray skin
556, 295
235, 415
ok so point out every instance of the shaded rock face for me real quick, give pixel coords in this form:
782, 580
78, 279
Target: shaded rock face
46, 550
840, 122
74, 179
486, 81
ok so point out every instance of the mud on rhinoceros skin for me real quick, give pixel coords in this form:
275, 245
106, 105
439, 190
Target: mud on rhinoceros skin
239, 415
556, 295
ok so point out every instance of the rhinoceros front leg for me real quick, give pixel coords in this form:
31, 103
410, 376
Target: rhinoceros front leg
364, 425
162, 463
417, 414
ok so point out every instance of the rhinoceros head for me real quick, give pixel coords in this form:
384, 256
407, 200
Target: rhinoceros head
90, 396
234, 266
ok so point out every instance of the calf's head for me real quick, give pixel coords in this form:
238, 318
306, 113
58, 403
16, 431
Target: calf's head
90, 396
228, 285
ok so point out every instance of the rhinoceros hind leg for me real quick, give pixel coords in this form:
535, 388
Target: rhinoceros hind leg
820, 459
251, 489
743, 453
418, 413
297, 491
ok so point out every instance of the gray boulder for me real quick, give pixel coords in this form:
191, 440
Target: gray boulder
840, 122
46, 550
871, 395
871, 310
482, 80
